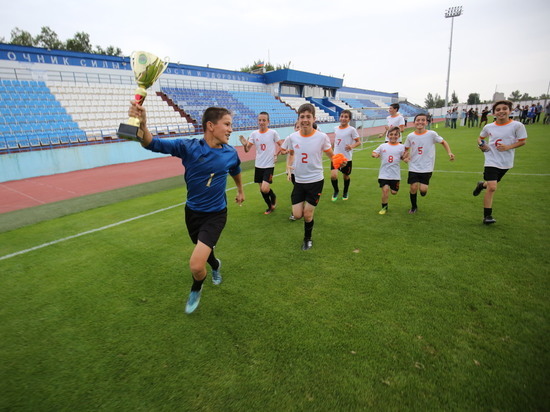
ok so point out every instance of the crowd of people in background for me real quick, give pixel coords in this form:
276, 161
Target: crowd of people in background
473, 118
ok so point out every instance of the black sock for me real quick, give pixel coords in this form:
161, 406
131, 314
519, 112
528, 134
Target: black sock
308, 228
423, 193
334, 185
384, 205
487, 211
197, 285
267, 200
346, 185
272, 197
413, 200
212, 261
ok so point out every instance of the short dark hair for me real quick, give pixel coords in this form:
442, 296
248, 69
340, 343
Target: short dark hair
266, 113
393, 129
306, 107
213, 114
395, 106
348, 112
421, 114
506, 102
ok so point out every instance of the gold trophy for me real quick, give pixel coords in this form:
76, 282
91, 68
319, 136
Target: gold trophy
147, 69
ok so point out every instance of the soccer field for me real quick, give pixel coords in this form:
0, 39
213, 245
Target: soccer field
433, 311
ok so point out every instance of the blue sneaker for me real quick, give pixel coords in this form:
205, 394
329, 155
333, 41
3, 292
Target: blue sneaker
193, 301
216, 275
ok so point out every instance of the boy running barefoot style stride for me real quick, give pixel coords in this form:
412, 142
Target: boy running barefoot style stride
207, 163
306, 148
346, 139
420, 147
267, 143
498, 142
390, 154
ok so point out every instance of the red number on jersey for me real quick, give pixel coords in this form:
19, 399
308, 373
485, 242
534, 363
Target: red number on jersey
390, 159
420, 150
304, 157
262, 147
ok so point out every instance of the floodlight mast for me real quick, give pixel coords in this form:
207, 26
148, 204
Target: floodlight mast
451, 13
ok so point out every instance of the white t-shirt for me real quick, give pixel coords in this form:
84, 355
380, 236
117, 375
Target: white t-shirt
390, 160
422, 149
266, 147
506, 134
343, 137
393, 121
308, 155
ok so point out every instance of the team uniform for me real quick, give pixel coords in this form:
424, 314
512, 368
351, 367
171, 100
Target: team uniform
206, 171
343, 137
393, 121
422, 155
390, 170
308, 166
498, 163
266, 153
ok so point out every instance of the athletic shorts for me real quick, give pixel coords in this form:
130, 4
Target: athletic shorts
307, 192
393, 184
205, 226
493, 173
345, 170
423, 178
263, 175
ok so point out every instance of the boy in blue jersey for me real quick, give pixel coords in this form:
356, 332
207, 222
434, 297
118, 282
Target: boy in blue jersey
207, 163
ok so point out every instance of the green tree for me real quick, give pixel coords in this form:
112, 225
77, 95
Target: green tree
473, 98
258, 65
438, 101
544, 96
454, 98
526, 96
429, 101
515, 96
21, 37
109, 51
79, 43
48, 39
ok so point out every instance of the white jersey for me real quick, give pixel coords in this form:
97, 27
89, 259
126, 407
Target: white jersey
422, 149
506, 134
343, 137
393, 121
308, 155
266, 147
390, 158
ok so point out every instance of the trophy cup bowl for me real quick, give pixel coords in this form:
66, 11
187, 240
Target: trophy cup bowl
147, 69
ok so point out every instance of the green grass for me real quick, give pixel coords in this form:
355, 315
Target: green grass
426, 312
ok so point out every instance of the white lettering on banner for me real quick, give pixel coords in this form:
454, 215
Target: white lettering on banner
12, 56
66, 61
83, 62
27, 57
40, 58
116, 65
53, 59
94, 63
105, 65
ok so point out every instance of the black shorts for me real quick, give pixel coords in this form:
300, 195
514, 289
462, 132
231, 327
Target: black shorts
307, 192
423, 178
263, 175
493, 173
393, 184
205, 226
345, 170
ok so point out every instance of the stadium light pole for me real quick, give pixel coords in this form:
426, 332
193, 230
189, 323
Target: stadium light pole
451, 13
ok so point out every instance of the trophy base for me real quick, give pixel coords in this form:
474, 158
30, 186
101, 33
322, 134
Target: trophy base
129, 132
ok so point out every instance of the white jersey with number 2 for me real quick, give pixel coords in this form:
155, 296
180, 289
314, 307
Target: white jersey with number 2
308, 155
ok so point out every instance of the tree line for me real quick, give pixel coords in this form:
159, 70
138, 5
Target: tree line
48, 39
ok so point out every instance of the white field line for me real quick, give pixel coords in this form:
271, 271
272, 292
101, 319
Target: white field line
54, 242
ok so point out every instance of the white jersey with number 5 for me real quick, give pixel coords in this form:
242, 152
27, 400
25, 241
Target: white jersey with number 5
506, 134
308, 155
343, 137
266, 147
390, 160
422, 149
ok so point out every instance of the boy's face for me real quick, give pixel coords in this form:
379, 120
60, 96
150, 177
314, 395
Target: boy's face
306, 120
263, 122
392, 111
502, 112
344, 119
420, 122
222, 129
393, 136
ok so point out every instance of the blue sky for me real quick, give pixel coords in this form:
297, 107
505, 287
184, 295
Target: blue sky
394, 46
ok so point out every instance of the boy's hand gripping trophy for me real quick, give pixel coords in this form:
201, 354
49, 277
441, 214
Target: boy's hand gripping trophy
147, 69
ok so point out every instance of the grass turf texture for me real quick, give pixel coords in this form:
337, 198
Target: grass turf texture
432, 311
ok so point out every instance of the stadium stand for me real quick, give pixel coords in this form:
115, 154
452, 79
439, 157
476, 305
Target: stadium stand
296, 102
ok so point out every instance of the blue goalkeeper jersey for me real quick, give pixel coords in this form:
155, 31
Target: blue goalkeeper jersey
206, 170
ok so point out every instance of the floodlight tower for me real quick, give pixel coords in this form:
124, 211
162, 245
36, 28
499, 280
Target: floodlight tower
451, 13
